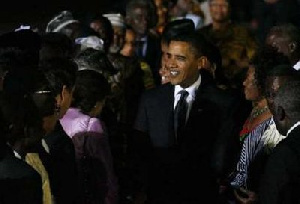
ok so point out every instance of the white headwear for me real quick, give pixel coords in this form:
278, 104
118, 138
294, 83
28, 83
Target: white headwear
60, 21
116, 19
90, 42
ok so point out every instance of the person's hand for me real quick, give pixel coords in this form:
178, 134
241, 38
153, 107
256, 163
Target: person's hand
244, 196
164, 75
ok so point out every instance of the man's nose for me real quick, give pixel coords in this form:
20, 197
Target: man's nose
170, 62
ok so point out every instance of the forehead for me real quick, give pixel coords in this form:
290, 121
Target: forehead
139, 10
219, 2
179, 47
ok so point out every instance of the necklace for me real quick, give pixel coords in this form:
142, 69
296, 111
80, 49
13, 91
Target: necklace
247, 127
257, 112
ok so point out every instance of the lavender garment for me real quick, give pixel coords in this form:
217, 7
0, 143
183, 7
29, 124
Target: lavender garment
75, 122
76, 125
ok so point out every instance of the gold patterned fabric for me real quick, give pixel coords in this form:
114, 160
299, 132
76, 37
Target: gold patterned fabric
34, 160
237, 46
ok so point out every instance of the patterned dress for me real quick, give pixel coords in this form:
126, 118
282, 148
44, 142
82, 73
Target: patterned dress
263, 138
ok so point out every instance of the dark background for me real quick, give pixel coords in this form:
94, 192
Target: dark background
37, 13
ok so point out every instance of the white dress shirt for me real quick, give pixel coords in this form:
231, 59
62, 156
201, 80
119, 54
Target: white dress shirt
190, 98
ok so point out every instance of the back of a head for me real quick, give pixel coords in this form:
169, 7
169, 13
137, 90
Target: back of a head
21, 119
177, 27
60, 72
91, 87
91, 59
20, 48
288, 97
265, 60
43, 94
56, 44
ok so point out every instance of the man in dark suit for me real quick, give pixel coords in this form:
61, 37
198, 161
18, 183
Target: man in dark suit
140, 15
281, 179
185, 162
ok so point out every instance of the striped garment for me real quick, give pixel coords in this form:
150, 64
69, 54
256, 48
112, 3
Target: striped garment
262, 138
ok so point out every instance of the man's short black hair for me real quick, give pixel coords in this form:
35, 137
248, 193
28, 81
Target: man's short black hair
177, 27
197, 41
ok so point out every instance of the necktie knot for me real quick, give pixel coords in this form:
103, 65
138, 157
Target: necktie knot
183, 94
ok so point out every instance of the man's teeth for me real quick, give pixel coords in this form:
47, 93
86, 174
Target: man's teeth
174, 73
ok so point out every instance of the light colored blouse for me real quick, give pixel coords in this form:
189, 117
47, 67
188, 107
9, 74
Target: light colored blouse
76, 124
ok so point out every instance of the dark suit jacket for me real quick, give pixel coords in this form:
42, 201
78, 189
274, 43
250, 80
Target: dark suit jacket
61, 165
186, 172
280, 182
19, 182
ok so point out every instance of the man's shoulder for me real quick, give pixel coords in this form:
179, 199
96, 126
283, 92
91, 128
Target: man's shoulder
158, 90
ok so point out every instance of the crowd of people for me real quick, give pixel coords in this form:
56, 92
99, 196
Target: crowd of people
168, 102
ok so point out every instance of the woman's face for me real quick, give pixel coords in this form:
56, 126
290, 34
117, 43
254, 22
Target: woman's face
250, 88
129, 45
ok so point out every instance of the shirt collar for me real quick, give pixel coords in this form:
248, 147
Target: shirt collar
143, 39
191, 89
45, 146
17, 155
292, 128
297, 66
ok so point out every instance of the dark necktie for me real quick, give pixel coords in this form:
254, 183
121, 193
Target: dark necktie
180, 115
140, 47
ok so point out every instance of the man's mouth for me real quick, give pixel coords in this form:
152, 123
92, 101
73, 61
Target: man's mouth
174, 73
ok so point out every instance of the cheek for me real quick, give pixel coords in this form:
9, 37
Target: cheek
251, 92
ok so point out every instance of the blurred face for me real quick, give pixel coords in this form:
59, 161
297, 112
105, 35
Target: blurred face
161, 11
182, 64
97, 26
185, 5
118, 41
219, 10
250, 88
129, 45
72, 31
163, 71
139, 20
280, 43
272, 85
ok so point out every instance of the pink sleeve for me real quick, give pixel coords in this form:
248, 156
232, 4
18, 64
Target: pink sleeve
95, 126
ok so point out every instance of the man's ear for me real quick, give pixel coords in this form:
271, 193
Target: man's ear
280, 113
292, 47
203, 62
